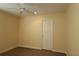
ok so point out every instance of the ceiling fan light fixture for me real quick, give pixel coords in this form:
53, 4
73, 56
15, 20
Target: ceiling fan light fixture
22, 9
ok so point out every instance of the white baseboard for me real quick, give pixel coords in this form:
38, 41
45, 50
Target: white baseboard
69, 53
58, 50
30, 47
5, 50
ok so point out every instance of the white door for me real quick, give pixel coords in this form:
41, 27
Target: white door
47, 33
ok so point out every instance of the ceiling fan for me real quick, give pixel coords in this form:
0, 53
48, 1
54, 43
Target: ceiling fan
21, 7
28, 8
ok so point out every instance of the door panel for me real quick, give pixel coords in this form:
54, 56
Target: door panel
47, 34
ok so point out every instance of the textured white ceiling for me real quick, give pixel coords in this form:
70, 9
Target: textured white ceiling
41, 8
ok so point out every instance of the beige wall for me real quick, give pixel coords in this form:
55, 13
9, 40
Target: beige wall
8, 31
31, 30
73, 29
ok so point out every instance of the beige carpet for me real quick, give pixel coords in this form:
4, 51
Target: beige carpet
19, 51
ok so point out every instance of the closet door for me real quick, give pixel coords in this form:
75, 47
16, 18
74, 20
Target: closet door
47, 34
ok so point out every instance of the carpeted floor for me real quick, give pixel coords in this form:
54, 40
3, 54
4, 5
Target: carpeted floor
19, 51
